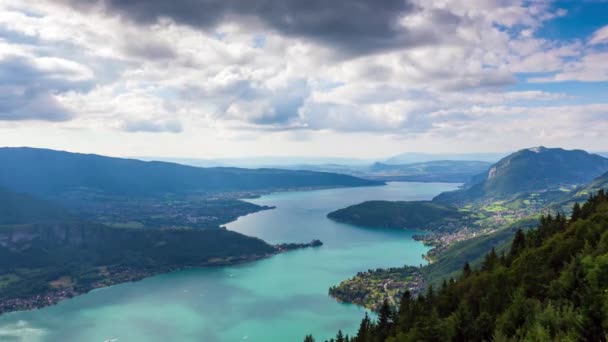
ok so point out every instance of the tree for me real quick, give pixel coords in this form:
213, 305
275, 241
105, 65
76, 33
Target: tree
309, 338
340, 336
385, 321
466, 270
490, 261
518, 244
576, 212
365, 330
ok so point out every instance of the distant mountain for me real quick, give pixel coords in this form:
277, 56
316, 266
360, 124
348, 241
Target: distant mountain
432, 171
48, 172
291, 163
534, 169
411, 157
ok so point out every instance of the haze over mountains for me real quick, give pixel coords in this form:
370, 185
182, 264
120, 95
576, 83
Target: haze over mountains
48, 172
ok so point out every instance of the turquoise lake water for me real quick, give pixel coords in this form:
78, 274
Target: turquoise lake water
278, 299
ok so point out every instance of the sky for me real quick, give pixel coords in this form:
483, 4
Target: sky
347, 78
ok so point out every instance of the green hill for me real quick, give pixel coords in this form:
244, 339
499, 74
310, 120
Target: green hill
48, 172
583, 192
45, 252
387, 214
534, 169
550, 286
17, 208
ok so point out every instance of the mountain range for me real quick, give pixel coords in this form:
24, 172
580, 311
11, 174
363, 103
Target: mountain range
48, 172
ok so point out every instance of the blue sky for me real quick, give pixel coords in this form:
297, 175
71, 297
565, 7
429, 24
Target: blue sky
356, 78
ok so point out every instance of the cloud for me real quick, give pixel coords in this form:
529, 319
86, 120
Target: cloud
590, 68
600, 36
407, 68
28, 86
168, 126
352, 27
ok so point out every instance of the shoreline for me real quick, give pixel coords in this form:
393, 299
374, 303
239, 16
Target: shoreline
116, 275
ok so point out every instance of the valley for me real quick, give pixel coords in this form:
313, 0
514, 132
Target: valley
409, 236
288, 290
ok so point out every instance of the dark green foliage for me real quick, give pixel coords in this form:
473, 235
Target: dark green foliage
519, 243
41, 243
450, 262
466, 270
550, 287
385, 321
387, 214
576, 212
309, 338
49, 173
16, 208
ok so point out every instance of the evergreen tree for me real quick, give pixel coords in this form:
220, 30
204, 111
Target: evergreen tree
309, 338
490, 260
576, 212
340, 336
552, 286
518, 244
466, 270
385, 323
365, 330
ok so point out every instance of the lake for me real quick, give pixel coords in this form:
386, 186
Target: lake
281, 298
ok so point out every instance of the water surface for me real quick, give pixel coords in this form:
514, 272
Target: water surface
277, 299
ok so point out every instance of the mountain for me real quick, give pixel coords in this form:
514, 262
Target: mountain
48, 172
46, 254
387, 214
533, 169
433, 171
411, 157
549, 286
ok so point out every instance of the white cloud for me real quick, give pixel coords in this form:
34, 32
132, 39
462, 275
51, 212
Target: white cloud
101, 71
600, 36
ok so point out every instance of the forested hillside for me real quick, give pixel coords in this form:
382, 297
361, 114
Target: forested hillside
400, 214
46, 254
551, 285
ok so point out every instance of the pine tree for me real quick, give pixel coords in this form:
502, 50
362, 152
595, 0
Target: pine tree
466, 270
576, 212
365, 330
340, 336
519, 243
404, 312
385, 321
309, 338
490, 260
